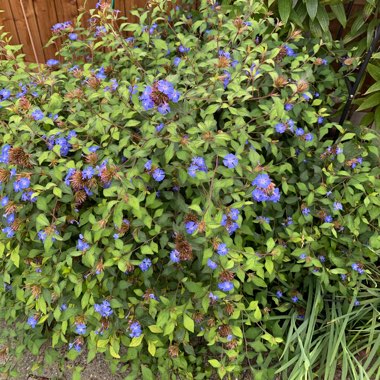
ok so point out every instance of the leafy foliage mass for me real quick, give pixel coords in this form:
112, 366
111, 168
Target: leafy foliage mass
168, 186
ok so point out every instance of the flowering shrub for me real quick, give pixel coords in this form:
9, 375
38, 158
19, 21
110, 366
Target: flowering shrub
168, 186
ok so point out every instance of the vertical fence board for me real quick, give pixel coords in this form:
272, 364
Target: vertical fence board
46, 17
22, 31
33, 29
7, 20
42, 14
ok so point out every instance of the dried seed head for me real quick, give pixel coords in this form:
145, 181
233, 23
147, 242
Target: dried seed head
77, 181
173, 351
198, 317
223, 62
224, 331
211, 322
280, 81
4, 175
226, 275
229, 308
92, 158
80, 197
24, 103
302, 85
17, 156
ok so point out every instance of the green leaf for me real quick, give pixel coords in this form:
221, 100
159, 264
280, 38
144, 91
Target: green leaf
214, 363
312, 8
339, 12
371, 101
284, 9
374, 71
169, 153
136, 341
375, 87
188, 323
15, 257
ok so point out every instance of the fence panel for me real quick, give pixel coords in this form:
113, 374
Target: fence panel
29, 22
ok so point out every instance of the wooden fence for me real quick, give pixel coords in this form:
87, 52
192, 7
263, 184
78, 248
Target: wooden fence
29, 22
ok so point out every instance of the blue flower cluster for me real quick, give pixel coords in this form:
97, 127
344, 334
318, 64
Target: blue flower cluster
191, 227
136, 330
265, 190
104, 309
82, 245
145, 265
4, 94
159, 96
61, 141
197, 164
230, 161
225, 286
59, 27
32, 321
158, 174
80, 328
229, 220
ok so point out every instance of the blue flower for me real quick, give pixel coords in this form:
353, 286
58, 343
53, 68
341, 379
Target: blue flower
320, 120
328, 219
80, 328
300, 132
308, 137
4, 94
24, 182
259, 196
191, 227
289, 51
136, 330
262, 181
158, 175
303, 256
213, 297
116, 236
159, 127
174, 256
104, 309
230, 161
73, 36
148, 165
279, 294
212, 264
145, 265
357, 268
305, 211
226, 78
295, 299
337, 206
222, 249
288, 107
321, 258
52, 62
37, 114
163, 108
9, 231
93, 148
88, 173
280, 128
69, 174
225, 286
32, 322
183, 49
4, 201
63, 307
176, 61
82, 245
